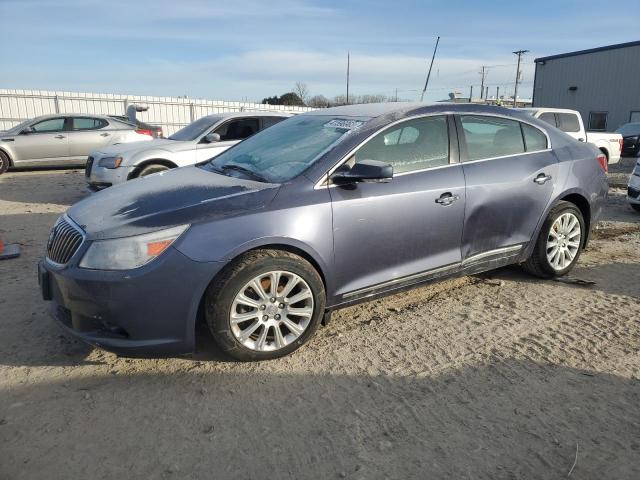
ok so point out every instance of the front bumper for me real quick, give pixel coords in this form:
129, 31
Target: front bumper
148, 311
98, 177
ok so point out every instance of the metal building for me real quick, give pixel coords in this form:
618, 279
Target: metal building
603, 84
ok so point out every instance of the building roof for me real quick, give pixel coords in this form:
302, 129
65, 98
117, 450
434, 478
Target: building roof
591, 50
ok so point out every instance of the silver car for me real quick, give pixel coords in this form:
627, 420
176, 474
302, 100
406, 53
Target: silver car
59, 140
200, 140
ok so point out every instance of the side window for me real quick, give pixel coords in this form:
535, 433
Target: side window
270, 121
534, 139
86, 123
598, 121
238, 129
488, 137
51, 125
549, 117
412, 145
568, 122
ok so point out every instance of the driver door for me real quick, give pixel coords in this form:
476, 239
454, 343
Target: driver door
388, 235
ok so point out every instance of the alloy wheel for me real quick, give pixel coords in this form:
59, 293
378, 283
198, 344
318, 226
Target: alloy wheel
563, 241
271, 311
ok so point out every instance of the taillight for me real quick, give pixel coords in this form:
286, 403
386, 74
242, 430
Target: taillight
621, 142
144, 131
602, 160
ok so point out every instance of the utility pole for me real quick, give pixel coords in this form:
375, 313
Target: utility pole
483, 74
430, 66
348, 61
515, 90
497, 93
471, 94
396, 94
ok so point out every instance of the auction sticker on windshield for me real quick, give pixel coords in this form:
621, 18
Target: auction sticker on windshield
343, 124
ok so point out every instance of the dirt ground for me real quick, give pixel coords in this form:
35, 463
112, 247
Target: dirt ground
492, 376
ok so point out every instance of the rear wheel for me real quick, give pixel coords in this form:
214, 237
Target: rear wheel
152, 168
635, 206
559, 244
265, 305
4, 162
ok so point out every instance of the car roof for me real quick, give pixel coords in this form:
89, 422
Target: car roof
58, 115
259, 113
373, 110
545, 109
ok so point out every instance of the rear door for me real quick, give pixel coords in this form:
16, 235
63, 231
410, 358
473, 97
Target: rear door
46, 143
390, 234
510, 173
85, 135
231, 132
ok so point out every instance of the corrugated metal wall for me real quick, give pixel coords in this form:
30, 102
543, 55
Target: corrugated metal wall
171, 113
607, 81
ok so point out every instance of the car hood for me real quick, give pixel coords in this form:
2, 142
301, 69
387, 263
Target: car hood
132, 148
175, 197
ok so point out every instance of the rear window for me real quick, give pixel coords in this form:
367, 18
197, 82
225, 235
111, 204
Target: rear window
489, 137
568, 122
549, 117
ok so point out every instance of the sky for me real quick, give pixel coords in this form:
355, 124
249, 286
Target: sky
252, 49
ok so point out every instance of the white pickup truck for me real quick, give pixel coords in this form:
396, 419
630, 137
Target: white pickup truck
570, 122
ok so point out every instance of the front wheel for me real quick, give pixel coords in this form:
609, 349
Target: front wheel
4, 162
559, 243
265, 305
151, 169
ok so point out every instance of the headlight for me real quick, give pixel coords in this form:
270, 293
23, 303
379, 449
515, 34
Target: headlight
110, 162
129, 252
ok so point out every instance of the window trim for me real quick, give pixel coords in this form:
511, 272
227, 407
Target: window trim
606, 120
463, 142
454, 152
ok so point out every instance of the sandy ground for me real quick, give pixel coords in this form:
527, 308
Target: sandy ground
493, 376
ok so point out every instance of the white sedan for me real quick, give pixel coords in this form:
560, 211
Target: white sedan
205, 138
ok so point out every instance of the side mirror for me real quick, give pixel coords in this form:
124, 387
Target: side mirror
211, 138
363, 171
27, 130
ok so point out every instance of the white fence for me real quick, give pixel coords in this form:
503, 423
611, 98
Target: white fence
171, 113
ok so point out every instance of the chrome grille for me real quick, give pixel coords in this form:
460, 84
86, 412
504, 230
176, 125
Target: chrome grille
64, 241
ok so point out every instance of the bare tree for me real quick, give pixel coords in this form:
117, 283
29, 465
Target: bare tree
302, 91
318, 101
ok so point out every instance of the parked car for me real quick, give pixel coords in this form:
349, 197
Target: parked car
633, 190
570, 122
630, 139
198, 141
321, 211
61, 140
142, 127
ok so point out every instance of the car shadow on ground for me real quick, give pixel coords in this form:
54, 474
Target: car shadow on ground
510, 418
35, 186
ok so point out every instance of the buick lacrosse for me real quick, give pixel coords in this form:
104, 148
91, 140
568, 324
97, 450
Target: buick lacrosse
323, 210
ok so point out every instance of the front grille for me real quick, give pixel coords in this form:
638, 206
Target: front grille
633, 192
87, 168
64, 241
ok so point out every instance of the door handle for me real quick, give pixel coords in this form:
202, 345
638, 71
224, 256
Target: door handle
60, 136
447, 199
104, 134
542, 179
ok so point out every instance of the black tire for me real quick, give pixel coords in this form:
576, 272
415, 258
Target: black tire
221, 293
635, 206
152, 168
538, 264
4, 162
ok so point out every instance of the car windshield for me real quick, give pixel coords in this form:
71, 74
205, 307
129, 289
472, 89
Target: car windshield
195, 129
19, 127
283, 151
629, 129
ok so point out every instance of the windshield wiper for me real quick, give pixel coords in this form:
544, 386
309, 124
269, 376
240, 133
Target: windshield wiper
245, 170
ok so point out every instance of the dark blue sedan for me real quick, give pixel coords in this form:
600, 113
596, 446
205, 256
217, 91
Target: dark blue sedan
321, 211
